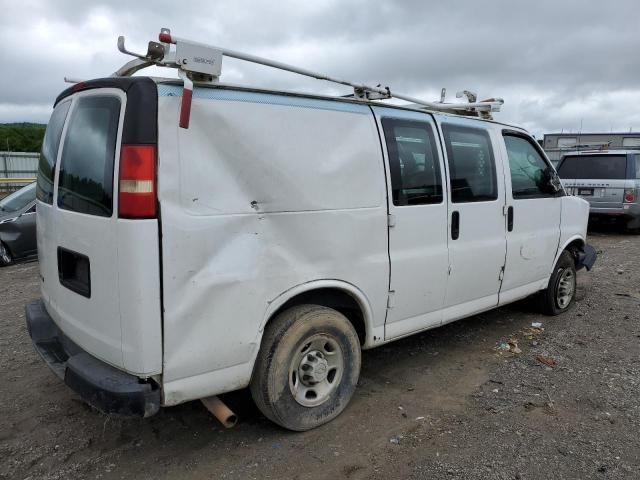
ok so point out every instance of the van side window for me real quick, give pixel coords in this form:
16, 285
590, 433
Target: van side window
527, 168
86, 167
472, 167
414, 164
637, 167
49, 153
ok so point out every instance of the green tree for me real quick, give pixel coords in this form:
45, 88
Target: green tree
21, 137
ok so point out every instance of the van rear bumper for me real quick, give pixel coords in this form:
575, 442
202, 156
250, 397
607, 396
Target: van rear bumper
102, 386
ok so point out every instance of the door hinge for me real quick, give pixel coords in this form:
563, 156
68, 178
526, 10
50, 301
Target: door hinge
391, 220
501, 274
391, 299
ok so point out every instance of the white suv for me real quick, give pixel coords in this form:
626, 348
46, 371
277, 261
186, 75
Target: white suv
276, 237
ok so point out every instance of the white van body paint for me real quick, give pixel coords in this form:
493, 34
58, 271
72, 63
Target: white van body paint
265, 201
119, 324
268, 195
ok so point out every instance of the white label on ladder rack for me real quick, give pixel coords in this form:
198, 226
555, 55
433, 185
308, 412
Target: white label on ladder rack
199, 59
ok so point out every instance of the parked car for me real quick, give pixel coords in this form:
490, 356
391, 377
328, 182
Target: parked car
18, 225
608, 180
265, 238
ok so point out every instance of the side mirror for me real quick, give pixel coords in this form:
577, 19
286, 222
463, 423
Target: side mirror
551, 181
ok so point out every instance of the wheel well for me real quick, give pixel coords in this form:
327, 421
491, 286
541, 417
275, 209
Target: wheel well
332, 298
573, 248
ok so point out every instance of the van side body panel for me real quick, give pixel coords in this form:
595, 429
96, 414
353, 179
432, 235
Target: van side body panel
261, 194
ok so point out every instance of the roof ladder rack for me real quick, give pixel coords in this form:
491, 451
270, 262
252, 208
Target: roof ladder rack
201, 63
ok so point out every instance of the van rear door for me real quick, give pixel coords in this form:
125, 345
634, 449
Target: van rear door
99, 272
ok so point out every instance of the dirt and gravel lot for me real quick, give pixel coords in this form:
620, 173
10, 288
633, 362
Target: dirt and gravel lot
443, 404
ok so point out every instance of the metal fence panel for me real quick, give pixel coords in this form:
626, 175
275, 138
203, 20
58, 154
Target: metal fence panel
17, 165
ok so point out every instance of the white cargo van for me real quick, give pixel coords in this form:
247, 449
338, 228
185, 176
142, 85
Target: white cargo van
263, 238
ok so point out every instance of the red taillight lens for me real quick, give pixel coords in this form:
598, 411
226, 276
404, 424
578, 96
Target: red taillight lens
629, 196
137, 197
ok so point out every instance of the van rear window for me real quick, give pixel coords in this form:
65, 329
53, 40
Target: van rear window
86, 168
594, 167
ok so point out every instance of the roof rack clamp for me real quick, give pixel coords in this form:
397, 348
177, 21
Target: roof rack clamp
366, 93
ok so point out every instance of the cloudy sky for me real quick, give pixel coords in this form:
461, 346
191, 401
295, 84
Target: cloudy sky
557, 64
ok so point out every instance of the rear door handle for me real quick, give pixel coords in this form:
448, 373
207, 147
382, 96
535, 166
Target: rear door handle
510, 218
455, 225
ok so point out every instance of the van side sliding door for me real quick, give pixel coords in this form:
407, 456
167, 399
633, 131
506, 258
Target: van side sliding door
417, 221
477, 243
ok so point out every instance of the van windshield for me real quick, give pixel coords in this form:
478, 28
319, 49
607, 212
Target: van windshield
609, 167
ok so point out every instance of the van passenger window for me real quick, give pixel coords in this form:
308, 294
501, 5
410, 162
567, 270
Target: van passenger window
414, 164
527, 168
472, 167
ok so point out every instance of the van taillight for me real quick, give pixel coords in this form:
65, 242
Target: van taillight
629, 196
137, 197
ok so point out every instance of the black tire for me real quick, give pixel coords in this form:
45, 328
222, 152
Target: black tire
286, 345
5, 256
553, 299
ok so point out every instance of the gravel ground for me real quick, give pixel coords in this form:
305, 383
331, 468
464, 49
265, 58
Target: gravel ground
448, 403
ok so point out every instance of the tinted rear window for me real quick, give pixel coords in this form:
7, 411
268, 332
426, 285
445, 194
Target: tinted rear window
472, 167
86, 169
610, 167
414, 163
49, 153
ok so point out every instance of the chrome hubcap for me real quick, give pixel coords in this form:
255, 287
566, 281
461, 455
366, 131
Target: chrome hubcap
316, 370
566, 288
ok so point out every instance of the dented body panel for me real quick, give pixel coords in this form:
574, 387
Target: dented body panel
261, 195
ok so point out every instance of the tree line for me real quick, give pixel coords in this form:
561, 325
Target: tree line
21, 137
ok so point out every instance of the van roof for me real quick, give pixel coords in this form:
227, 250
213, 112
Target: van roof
128, 83
346, 99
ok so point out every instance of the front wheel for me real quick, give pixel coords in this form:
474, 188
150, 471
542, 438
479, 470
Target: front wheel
307, 368
561, 291
5, 256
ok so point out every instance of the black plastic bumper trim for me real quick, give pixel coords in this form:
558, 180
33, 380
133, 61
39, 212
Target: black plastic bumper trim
586, 257
102, 386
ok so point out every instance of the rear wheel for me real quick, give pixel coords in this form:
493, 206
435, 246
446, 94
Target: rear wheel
5, 256
307, 368
561, 291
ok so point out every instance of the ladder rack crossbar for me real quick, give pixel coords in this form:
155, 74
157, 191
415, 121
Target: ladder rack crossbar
202, 63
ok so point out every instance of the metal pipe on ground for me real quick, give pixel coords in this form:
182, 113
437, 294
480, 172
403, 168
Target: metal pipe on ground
219, 410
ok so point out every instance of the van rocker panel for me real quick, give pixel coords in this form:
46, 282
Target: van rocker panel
102, 386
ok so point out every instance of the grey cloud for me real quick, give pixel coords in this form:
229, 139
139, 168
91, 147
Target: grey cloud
555, 63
